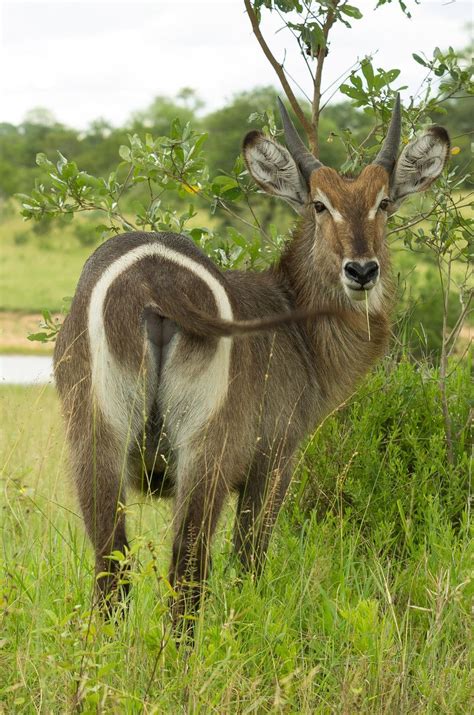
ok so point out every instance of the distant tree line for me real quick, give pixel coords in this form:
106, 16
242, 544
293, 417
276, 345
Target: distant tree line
96, 149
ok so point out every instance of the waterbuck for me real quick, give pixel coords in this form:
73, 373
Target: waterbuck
158, 390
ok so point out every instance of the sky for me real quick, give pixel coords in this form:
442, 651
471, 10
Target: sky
108, 59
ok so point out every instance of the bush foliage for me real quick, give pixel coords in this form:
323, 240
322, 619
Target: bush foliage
383, 460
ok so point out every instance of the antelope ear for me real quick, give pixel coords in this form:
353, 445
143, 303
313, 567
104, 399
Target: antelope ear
273, 168
420, 163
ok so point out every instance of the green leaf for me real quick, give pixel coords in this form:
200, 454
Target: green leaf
313, 36
392, 75
42, 160
223, 180
384, 78
38, 337
102, 228
233, 194
70, 170
61, 163
254, 117
198, 146
197, 234
352, 92
419, 59
179, 153
356, 81
223, 184
368, 72
352, 11
125, 153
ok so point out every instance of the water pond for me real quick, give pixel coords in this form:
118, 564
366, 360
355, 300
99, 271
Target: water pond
26, 369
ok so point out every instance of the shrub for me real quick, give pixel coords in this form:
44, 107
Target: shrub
383, 460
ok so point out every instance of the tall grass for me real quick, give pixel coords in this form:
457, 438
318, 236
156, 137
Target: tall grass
364, 605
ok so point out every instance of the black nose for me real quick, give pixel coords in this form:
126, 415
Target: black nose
361, 273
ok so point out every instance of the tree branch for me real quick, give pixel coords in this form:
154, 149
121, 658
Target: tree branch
307, 125
453, 335
330, 17
418, 219
443, 363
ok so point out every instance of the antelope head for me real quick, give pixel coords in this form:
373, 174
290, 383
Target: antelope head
347, 216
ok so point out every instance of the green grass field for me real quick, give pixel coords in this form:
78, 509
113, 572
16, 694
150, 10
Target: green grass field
356, 612
37, 272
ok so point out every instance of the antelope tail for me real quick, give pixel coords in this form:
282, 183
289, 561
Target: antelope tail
195, 321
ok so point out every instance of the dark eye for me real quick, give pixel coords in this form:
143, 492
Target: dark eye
384, 204
319, 207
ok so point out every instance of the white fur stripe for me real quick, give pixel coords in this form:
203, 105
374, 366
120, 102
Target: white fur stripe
321, 196
114, 388
373, 211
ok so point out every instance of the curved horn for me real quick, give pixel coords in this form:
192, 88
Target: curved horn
306, 162
387, 155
